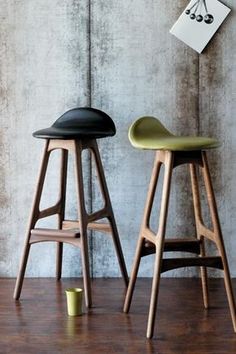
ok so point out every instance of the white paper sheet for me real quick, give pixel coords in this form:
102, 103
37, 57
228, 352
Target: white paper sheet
197, 34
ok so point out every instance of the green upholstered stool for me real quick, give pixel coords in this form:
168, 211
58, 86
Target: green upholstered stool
171, 151
149, 133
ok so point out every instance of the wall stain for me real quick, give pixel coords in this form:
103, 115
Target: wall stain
4, 199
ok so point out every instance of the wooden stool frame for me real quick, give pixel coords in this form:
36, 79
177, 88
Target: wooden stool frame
150, 243
65, 232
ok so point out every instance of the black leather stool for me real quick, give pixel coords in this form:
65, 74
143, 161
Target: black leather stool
73, 132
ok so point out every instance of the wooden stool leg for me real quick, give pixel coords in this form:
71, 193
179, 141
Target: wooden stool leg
32, 221
199, 222
83, 219
118, 248
145, 223
133, 276
61, 215
218, 237
106, 197
160, 242
59, 257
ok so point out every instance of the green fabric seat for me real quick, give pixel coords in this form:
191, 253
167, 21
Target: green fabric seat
149, 133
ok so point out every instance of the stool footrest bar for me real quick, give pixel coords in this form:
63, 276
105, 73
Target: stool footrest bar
52, 233
96, 226
190, 245
182, 245
174, 263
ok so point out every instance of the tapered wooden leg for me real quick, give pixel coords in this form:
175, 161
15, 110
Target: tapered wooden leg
32, 221
160, 242
198, 222
85, 266
204, 277
118, 249
59, 258
83, 218
133, 276
21, 274
218, 237
151, 191
106, 197
145, 223
61, 215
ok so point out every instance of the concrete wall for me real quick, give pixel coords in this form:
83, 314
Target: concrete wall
117, 56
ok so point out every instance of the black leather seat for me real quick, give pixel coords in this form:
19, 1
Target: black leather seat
79, 123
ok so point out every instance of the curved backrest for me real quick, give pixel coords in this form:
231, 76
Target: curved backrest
79, 123
147, 127
86, 118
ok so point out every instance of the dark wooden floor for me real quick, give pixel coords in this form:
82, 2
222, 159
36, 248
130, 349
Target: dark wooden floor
39, 322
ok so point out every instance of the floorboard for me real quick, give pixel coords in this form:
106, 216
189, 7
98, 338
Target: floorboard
39, 324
